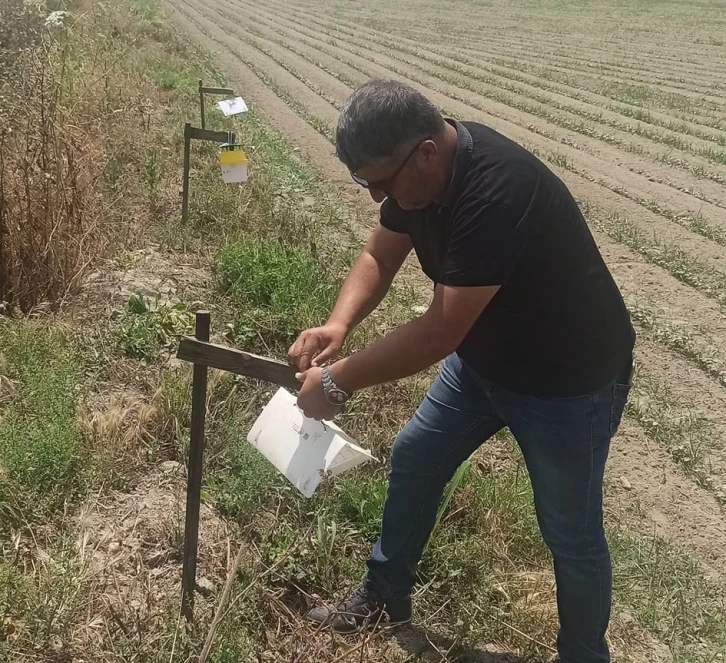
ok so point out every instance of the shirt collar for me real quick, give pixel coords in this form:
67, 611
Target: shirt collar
464, 148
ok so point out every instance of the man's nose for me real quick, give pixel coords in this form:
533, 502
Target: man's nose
378, 195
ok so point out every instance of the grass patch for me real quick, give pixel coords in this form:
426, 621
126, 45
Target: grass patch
701, 226
670, 595
359, 502
277, 289
686, 435
42, 379
241, 480
679, 339
678, 263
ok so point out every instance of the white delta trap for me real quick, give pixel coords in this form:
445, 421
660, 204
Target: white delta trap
233, 106
303, 449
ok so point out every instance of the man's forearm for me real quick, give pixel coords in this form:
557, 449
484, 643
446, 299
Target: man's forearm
364, 288
405, 351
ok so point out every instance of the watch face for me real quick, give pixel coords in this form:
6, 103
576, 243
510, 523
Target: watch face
338, 396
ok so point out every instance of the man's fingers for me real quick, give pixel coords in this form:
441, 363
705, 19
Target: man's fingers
303, 363
294, 352
331, 352
306, 353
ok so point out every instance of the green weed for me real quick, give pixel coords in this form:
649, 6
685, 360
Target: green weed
236, 640
168, 79
244, 482
359, 501
701, 226
147, 328
560, 160
631, 94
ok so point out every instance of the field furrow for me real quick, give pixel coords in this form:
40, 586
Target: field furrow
714, 190
624, 206
577, 54
526, 60
349, 32
605, 222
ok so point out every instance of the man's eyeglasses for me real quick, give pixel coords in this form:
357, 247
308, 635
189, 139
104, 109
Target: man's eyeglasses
385, 185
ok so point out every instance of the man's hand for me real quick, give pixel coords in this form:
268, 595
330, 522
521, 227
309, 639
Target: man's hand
317, 345
311, 398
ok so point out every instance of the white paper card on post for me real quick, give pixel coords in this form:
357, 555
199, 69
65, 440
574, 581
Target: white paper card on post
232, 106
301, 448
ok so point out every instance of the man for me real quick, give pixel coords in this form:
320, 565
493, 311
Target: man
533, 330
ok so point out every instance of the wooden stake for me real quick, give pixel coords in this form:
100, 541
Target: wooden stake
185, 181
238, 362
194, 472
194, 133
201, 102
210, 90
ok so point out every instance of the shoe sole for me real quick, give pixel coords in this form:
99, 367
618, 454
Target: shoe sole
372, 626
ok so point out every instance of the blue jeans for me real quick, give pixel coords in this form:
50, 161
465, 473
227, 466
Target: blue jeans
565, 444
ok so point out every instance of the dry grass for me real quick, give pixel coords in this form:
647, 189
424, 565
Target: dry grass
50, 163
84, 144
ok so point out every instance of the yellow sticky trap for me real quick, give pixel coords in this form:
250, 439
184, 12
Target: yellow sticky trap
233, 162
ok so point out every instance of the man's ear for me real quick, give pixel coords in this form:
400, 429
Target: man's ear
428, 151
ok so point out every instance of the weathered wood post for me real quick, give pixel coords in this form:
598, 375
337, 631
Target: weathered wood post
194, 472
210, 90
185, 180
201, 103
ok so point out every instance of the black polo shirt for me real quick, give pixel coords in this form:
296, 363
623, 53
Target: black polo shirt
558, 325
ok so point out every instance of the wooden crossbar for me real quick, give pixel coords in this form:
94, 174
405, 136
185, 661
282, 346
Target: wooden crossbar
237, 361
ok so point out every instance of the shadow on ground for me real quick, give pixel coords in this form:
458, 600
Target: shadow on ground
427, 645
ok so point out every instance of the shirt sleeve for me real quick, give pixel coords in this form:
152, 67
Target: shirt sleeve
485, 243
392, 217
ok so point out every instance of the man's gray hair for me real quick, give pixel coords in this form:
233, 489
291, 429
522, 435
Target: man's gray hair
381, 119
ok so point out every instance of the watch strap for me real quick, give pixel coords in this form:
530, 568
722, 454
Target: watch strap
333, 394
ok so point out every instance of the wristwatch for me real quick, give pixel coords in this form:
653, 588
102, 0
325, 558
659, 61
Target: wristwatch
333, 394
